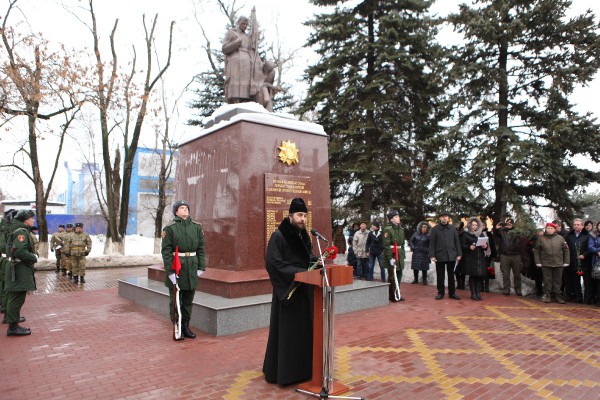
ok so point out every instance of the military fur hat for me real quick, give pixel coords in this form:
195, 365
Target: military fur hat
24, 215
79, 225
392, 214
178, 204
61, 226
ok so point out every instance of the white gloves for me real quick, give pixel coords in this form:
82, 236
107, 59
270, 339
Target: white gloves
565, 265
393, 262
172, 278
200, 272
538, 265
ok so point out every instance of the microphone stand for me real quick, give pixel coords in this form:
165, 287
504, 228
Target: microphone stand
328, 336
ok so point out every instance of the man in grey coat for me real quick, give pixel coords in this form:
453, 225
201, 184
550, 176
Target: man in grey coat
445, 252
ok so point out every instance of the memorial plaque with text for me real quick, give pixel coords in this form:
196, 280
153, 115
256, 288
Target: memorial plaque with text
279, 192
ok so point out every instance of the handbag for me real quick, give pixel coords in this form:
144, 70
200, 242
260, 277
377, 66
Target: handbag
596, 269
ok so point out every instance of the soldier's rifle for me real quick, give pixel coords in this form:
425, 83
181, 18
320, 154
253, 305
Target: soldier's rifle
176, 312
397, 295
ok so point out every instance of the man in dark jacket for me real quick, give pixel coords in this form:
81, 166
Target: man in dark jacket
509, 248
577, 240
374, 250
288, 357
445, 252
20, 277
185, 236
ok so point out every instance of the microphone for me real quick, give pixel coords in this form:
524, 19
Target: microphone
318, 235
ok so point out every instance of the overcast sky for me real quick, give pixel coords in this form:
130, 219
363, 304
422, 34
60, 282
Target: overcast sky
282, 19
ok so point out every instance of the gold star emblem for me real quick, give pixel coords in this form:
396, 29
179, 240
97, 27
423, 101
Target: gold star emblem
288, 152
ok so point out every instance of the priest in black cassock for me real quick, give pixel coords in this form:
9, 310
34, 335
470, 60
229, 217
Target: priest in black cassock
288, 358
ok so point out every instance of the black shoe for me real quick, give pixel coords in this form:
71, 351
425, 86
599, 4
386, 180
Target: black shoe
57, 270
518, 293
454, 296
478, 296
439, 296
75, 279
70, 274
64, 272
185, 329
425, 282
414, 282
474, 297
82, 279
16, 330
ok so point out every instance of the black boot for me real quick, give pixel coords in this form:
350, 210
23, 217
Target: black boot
185, 328
478, 284
473, 290
82, 279
70, 274
416, 280
16, 330
424, 277
75, 279
57, 270
64, 272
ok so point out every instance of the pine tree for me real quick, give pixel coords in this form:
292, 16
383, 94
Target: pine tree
377, 91
517, 131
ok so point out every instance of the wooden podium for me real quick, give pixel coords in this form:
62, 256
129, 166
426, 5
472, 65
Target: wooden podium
337, 275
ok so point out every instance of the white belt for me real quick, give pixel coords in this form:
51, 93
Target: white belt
186, 254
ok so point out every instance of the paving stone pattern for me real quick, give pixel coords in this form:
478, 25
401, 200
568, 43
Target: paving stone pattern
92, 344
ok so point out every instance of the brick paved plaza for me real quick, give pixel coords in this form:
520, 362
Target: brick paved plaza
88, 343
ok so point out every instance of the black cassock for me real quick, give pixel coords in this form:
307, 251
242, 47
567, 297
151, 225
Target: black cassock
288, 358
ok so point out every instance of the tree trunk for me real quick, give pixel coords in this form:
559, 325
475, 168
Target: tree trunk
500, 167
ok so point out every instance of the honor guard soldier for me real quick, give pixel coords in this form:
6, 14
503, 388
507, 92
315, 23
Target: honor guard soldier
187, 236
393, 254
20, 277
4, 232
80, 245
65, 259
56, 244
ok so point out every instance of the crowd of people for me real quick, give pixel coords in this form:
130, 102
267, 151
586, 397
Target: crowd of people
557, 259
19, 253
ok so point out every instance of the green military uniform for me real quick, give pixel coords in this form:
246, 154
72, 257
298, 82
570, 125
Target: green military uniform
393, 235
56, 245
5, 230
188, 236
80, 245
19, 278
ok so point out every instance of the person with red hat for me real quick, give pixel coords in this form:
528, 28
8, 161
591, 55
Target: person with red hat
551, 255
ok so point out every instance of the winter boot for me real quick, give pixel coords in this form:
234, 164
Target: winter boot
82, 279
75, 279
57, 270
546, 298
70, 274
185, 328
16, 330
472, 289
416, 280
64, 272
425, 278
478, 285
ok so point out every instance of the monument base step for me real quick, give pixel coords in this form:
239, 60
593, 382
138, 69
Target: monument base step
220, 316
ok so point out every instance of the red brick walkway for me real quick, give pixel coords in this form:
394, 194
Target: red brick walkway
96, 345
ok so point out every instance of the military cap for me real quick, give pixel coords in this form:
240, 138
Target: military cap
69, 225
178, 204
61, 226
24, 215
79, 225
392, 214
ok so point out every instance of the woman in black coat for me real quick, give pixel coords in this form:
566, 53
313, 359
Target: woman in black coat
473, 260
419, 244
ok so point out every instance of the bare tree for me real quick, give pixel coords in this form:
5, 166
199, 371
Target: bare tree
135, 108
39, 85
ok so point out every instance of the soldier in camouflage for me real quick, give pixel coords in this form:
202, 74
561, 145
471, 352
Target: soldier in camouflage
56, 244
65, 256
80, 245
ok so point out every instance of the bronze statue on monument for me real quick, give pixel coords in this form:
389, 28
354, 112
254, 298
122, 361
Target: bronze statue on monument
247, 77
